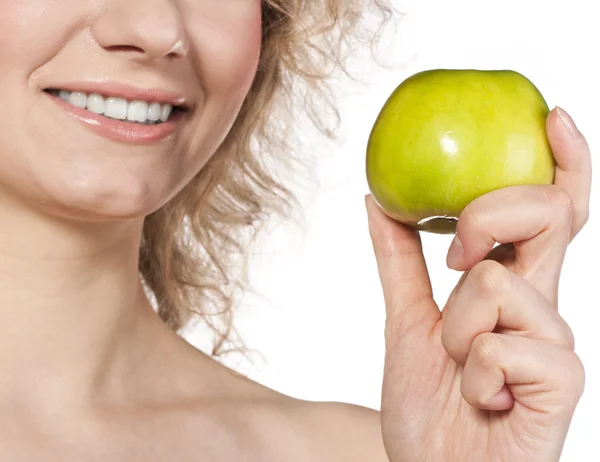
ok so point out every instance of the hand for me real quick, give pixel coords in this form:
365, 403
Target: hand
493, 377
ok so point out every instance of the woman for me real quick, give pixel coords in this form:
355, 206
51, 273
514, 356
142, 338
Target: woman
131, 126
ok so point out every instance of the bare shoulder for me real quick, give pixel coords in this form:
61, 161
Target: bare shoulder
301, 431
336, 431
239, 417
277, 427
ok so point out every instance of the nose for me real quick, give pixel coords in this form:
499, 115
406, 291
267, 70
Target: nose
152, 28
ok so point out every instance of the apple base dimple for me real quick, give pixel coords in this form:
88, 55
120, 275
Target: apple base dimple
438, 225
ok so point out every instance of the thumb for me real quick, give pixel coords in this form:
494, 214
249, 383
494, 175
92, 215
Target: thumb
402, 271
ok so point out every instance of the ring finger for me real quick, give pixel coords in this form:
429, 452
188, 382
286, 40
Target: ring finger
495, 299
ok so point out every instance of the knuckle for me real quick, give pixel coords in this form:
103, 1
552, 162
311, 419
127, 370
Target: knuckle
575, 377
583, 215
560, 201
490, 279
580, 376
473, 395
569, 336
578, 373
484, 349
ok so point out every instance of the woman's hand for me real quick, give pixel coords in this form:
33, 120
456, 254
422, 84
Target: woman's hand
493, 377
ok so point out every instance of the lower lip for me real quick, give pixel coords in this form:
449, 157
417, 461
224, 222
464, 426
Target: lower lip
122, 131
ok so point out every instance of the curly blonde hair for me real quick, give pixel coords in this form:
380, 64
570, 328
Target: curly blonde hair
192, 255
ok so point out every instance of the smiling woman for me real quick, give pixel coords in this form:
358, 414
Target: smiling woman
115, 232
134, 142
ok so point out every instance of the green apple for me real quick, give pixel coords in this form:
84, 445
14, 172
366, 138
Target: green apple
448, 136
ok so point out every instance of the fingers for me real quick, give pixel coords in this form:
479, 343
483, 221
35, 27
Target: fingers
542, 376
492, 218
504, 254
537, 219
402, 270
492, 298
512, 342
574, 170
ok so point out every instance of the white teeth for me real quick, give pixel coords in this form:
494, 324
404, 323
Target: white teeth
95, 103
166, 112
137, 111
118, 108
115, 108
78, 99
154, 112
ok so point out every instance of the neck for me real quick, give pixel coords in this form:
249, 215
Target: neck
70, 301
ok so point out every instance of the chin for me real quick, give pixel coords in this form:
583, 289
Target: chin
104, 204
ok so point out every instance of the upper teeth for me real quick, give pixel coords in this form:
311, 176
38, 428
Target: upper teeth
117, 108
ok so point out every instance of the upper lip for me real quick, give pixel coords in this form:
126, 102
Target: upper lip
126, 91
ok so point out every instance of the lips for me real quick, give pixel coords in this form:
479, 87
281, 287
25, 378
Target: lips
118, 108
121, 131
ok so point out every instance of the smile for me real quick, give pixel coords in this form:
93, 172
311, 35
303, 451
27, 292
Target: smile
131, 121
142, 112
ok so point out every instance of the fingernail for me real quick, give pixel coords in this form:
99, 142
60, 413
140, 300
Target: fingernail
567, 121
455, 253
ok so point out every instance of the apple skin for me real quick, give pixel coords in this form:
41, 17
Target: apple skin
448, 136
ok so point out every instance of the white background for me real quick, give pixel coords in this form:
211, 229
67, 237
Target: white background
319, 319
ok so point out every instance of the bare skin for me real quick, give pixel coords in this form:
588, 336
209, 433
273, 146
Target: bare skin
120, 386
89, 372
177, 404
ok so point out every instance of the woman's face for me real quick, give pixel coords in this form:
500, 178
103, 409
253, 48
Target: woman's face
65, 155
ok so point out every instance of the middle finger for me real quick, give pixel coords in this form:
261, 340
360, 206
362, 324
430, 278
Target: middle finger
495, 299
537, 219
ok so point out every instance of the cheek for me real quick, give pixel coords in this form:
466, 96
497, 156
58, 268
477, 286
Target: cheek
32, 29
16, 36
16, 22
228, 40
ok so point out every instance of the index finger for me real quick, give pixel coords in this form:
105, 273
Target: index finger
574, 166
